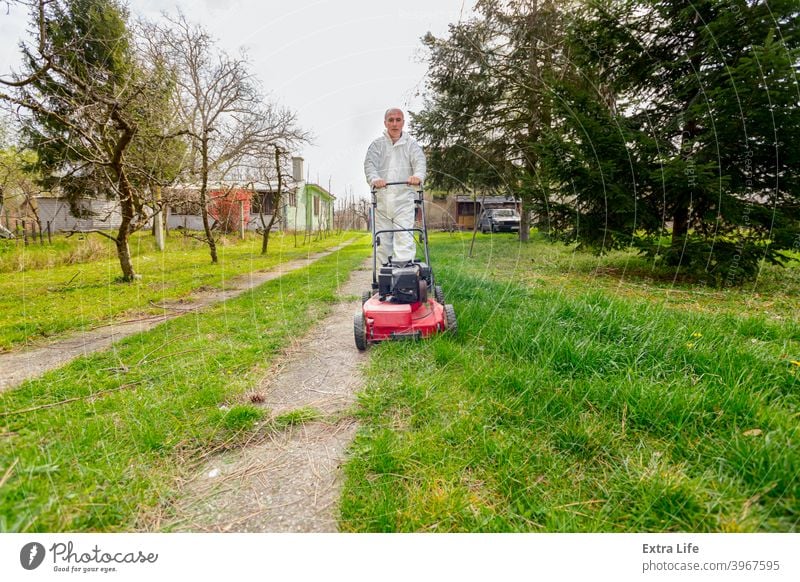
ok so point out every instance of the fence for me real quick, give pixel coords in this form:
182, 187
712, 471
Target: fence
28, 231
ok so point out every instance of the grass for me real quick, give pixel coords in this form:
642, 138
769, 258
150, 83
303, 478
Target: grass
37, 304
583, 394
100, 444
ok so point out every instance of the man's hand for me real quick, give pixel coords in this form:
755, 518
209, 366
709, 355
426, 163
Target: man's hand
378, 184
413, 180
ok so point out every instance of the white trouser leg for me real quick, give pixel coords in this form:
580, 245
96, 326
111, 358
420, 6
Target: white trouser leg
383, 221
395, 209
404, 247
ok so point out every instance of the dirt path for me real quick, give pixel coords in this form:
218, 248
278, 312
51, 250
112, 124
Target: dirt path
18, 366
290, 482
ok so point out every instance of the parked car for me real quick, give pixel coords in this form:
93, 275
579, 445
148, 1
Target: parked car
499, 220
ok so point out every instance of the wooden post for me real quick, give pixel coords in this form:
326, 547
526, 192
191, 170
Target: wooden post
41, 235
24, 233
241, 219
158, 222
49, 238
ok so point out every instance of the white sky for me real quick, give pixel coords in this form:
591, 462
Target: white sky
339, 65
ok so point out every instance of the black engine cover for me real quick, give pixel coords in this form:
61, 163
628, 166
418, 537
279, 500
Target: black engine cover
385, 281
405, 284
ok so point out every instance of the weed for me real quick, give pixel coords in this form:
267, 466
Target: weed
239, 417
298, 416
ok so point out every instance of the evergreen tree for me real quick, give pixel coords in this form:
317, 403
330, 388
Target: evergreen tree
488, 101
705, 97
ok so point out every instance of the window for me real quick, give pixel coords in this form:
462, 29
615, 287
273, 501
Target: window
263, 202
504, 212
291, 198
316, 205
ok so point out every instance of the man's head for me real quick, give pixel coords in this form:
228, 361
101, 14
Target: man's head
393, 120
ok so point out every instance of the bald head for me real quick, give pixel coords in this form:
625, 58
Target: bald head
391, 111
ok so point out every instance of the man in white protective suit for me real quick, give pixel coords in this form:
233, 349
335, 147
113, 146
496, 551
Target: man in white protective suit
395, 157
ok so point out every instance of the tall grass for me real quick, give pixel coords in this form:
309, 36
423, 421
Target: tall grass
581, 397
16, 256
36, 304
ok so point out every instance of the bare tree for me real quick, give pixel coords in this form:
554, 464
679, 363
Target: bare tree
276, 198
232, 128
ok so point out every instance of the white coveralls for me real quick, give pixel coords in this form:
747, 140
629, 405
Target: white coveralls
395, 162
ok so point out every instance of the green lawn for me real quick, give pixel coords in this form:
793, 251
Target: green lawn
99, 444
580, 394
42, 302
583, 394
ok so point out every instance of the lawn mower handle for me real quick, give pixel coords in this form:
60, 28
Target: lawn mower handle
418, 186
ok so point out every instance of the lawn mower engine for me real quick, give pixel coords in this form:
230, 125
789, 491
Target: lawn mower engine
406, 283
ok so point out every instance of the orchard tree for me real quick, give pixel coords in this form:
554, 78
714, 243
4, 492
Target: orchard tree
232, 129
275, 196
90, 104
18, 185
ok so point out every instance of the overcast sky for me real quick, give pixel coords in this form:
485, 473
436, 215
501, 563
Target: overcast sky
338, 64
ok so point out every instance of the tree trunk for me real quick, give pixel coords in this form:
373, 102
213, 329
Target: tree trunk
212, 245
680, 224
124, 256
123, 250
537, 109
524, 220
680, 214
277, 201
126, 203
476, 217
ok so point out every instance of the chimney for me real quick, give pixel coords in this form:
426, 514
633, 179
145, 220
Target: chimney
297, 168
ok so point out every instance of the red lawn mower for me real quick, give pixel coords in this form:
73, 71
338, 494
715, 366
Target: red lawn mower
399, 305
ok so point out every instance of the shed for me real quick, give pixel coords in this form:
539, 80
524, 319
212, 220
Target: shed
92, 214
468, 208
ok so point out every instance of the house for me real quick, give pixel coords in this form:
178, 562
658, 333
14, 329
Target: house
309, 208
230, 206
304, 207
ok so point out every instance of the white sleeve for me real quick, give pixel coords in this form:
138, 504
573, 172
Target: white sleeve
419, 167
372, 163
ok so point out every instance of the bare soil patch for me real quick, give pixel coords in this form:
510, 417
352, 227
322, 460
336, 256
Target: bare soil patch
289, 482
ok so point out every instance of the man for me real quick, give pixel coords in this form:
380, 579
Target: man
395, 157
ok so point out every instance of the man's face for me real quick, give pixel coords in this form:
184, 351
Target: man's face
394, 124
